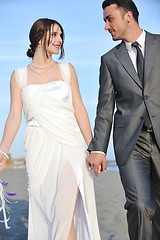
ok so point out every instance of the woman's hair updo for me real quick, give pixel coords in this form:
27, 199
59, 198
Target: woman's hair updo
38, 31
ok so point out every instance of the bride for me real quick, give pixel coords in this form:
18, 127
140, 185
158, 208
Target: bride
61, 193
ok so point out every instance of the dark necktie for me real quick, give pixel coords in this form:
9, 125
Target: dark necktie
139, 60
140, 67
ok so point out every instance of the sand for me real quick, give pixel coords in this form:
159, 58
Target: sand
110, 207
109, 197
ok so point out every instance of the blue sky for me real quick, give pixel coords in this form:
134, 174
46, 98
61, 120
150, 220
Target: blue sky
85, 41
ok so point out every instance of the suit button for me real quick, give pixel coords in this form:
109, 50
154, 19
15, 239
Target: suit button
141, 118
145, 97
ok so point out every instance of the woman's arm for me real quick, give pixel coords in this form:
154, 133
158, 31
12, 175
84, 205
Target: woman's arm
79, 108
13, 120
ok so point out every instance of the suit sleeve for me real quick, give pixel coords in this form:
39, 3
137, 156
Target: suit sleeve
105, 109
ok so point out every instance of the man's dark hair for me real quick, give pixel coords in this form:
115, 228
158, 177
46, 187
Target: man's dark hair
126, 5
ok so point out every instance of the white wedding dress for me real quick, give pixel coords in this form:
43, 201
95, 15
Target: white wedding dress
56, 162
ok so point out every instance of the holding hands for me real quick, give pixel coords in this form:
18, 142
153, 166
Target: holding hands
97, 161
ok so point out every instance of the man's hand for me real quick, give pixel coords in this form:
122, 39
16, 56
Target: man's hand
98, 161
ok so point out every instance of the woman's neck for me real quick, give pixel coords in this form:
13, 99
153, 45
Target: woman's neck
40, 59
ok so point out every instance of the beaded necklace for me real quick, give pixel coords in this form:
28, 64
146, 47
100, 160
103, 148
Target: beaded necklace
45, 68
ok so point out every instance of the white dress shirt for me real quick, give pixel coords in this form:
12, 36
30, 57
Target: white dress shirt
133, 51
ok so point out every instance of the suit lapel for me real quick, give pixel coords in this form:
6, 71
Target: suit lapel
150, 53
123, 56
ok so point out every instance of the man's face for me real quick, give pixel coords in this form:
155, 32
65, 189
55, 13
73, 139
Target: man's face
116, 22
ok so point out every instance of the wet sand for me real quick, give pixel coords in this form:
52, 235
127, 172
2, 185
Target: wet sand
110, 207
109, 197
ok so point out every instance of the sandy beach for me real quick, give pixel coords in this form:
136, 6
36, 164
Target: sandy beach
109, 197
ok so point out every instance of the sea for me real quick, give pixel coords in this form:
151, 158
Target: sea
112, 166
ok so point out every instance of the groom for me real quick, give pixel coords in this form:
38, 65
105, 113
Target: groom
130, 78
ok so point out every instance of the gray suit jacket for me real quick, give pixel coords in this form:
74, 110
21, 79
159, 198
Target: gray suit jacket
120, 85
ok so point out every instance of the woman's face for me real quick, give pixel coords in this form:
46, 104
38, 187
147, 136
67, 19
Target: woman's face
55, 41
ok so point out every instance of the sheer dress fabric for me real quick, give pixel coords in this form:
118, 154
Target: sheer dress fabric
56, 162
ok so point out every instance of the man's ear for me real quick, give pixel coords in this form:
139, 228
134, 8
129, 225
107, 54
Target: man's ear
129, 16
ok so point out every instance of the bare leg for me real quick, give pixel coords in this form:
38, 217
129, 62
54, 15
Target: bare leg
72, 232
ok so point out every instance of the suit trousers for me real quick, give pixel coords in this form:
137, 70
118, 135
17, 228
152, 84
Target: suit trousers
140, 177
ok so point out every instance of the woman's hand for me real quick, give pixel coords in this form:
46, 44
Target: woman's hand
2, 162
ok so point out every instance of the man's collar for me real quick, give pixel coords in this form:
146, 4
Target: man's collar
140, 40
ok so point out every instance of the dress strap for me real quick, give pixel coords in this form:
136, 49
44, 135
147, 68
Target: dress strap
21, 77
65, 71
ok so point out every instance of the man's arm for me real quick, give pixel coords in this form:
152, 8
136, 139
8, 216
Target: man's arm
103, 121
